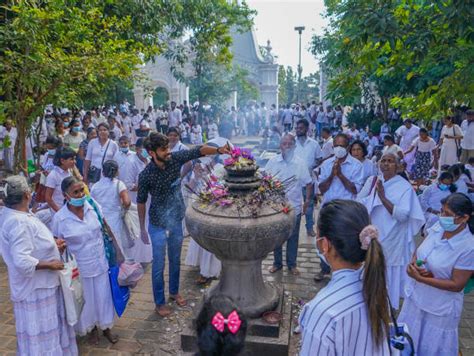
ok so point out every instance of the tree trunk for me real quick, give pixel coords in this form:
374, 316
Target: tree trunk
384, 101
20, 162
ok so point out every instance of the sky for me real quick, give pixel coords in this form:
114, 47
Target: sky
276, 20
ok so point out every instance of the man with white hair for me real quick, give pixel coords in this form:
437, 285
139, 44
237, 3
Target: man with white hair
287, 167
396, 211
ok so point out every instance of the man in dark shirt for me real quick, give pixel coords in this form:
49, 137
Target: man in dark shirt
161, 179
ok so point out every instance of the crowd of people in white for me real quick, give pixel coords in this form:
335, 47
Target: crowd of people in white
405, 182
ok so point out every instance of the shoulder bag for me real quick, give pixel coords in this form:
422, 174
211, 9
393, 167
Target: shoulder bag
94, 173
458, 146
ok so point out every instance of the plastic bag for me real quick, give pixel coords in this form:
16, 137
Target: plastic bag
131, 222
130, 273
71, 287
120, 295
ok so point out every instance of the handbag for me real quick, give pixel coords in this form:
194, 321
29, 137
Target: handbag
120, 294
71, 287
109, 247
94, 173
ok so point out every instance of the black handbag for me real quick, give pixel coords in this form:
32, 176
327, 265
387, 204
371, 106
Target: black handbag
94, 173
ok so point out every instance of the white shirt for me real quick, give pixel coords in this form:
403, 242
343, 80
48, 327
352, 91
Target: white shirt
106, 192
321, 118
25, 241
53, 181
308, 151
213, 131
174, 117
422, 146
368, 168
126, 163
351, 168
288, 116
328, 148
467, 141
393, 149
83, 238
407, 135
13, 134
284, 170
96, 152
442, 256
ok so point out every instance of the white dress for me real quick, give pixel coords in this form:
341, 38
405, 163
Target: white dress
433, 314
397, 230
140, 252
210, 266
106, 192
84, 240
448, 155
38, 304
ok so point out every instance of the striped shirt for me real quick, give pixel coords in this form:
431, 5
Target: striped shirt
336, 321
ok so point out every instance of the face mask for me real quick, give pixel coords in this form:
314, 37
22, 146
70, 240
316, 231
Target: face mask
66, 124
320, 255
76, 129
447, 223
52, 152
340, 152
125, 150
77, 202
145, 154
443, 187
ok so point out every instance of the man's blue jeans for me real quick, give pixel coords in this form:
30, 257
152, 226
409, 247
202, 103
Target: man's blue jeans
291, 248
319, 127
159, 241
309, 212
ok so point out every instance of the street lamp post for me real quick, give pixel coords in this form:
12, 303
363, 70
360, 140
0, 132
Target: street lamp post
300, 30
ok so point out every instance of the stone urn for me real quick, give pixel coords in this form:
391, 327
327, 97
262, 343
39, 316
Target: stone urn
241, 236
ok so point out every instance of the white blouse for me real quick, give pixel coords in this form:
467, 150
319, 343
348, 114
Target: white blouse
83, 238
95, 152
25, 241
53, 181
106, 192
442, 256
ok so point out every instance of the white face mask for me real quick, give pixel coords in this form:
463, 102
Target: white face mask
340, 152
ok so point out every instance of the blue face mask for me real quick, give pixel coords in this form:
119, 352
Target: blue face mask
447, 223
443, 187
76, 129
320, 255
77, 202
52, 152
66, 124
145, 154
124, 149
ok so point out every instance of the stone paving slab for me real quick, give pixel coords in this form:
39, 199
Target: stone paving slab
142, 332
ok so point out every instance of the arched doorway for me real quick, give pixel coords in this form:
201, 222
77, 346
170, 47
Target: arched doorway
161, 96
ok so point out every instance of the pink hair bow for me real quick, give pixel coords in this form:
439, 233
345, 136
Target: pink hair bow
233, 322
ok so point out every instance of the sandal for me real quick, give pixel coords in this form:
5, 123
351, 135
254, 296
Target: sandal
179, 300
163, 310
202, 280
93, 337
274, 269
113, 339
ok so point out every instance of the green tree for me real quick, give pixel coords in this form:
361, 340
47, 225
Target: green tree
408, 53
282, 97
290, 82
59, 51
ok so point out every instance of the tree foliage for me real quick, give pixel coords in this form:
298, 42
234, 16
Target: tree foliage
60, 51
413, 54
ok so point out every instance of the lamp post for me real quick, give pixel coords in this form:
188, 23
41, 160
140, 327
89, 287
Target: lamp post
300, 30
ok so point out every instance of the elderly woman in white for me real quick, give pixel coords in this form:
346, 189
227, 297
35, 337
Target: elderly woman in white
78, 224
112, 194
396, 211
439, 271
32, 257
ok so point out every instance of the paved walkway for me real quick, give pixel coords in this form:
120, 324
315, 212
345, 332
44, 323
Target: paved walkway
142, 332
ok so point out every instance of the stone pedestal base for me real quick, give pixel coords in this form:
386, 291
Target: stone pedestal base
262, 338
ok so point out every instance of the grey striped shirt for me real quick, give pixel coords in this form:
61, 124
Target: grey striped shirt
336, 321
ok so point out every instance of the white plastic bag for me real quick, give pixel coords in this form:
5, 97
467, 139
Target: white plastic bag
129, 274
131, 222
71, 287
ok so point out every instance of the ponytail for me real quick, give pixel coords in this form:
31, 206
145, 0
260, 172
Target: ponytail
375, 291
